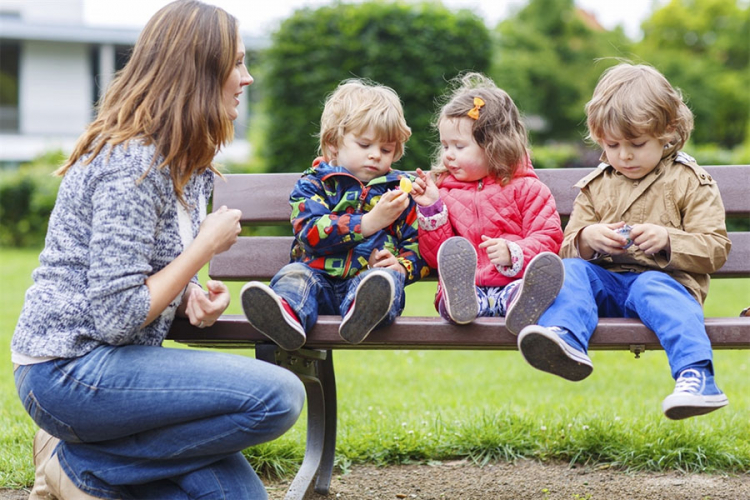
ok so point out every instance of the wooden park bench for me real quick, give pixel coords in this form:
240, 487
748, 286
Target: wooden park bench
263, 199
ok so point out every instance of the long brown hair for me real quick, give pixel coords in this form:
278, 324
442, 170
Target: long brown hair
498, 129
170, 92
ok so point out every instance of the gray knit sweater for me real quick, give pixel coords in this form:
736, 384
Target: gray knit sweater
107, 233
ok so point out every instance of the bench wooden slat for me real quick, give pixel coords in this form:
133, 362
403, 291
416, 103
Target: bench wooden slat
264, 198
242, 261
435, 333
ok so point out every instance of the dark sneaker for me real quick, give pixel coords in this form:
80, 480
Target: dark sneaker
372, 301
545, 349
457, 267
539, 287
271, 315
695, 393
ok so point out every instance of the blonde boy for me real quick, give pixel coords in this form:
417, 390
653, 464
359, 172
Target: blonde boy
355, 232
646, 231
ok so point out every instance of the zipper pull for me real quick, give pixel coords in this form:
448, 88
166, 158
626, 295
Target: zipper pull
481, 184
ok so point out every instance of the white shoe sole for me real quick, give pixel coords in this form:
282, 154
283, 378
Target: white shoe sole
684, 405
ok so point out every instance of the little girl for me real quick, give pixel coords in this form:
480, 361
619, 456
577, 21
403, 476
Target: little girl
485, 218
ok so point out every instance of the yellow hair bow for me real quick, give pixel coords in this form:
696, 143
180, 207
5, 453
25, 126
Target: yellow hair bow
474, 112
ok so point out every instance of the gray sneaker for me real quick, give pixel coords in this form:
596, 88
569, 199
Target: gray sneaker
539, 287
544, 349
271, 316
372, 301
457, 268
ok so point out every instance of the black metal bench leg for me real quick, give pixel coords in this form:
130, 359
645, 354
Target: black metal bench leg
328, 381
315, 370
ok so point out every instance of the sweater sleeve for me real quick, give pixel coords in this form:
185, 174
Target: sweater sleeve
125, 215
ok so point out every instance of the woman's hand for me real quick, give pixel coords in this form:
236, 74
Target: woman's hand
220, 229
203, 309
424, 190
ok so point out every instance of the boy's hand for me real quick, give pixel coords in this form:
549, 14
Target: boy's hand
385, 259
602, 238
424, 190
497, 250
650, 238
386, 211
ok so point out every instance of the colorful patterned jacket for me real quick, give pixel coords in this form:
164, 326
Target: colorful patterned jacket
327, 208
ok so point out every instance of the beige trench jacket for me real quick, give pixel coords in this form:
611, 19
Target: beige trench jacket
679, 195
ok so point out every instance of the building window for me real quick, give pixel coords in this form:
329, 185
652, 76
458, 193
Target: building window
10, 53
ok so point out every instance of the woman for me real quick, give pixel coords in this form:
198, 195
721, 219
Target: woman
125, 241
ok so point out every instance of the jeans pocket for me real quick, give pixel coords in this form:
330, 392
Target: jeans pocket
49, 423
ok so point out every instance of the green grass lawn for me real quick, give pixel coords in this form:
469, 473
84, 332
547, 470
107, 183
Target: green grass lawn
406, 406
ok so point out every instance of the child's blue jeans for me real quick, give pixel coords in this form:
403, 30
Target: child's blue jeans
658, 300
311, 292
155, 423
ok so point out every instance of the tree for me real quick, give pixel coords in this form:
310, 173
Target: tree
547, 60
703, 47
413, 49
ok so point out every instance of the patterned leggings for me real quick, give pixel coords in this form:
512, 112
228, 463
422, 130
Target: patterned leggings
493, 300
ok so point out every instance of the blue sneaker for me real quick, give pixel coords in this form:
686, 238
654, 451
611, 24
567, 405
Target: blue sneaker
546, 349
695, 393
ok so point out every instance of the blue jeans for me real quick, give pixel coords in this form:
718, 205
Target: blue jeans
156, 423
311, 292
665, 306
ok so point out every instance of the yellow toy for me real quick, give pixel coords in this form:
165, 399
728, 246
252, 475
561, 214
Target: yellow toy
405, 185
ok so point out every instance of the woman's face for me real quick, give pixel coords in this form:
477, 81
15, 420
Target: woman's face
238, 78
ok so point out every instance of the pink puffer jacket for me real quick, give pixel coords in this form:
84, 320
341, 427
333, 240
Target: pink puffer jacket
522, 212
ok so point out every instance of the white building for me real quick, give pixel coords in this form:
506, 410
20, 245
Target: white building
53, 68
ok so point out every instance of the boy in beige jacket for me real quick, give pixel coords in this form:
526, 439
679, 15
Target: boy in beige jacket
646, 231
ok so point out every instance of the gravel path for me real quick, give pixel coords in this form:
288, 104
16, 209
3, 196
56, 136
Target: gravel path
523, 480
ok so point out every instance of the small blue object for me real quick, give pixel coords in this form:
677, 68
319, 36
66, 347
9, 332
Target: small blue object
625, 231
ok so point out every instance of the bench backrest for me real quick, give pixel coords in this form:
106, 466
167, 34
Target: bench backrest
264, 200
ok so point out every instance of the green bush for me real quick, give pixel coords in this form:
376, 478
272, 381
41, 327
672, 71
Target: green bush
412, 48
27, 196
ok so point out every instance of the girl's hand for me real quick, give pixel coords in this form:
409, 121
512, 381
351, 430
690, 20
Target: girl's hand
424, 190
497, 250
385, 212
204, 309
220, 229
601, 238
385, 259
650, 238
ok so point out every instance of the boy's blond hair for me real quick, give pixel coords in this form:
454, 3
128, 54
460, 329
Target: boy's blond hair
358, 105
634, 100
498, 130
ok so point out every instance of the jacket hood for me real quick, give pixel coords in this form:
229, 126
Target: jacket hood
321, 169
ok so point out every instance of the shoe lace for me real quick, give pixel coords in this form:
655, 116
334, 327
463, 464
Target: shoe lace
688, 383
